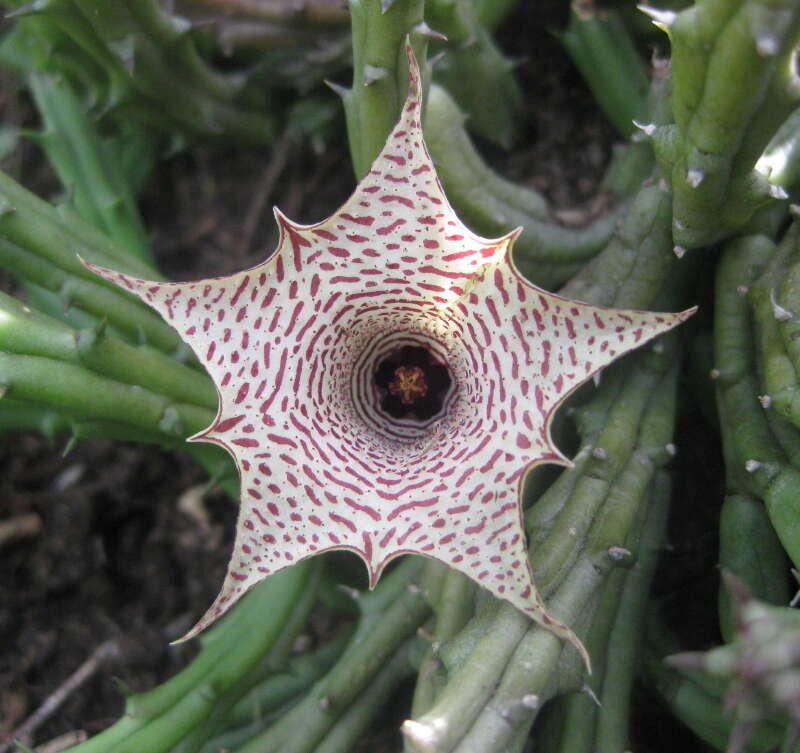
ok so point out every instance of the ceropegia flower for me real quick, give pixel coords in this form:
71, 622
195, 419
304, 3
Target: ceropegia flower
386, 378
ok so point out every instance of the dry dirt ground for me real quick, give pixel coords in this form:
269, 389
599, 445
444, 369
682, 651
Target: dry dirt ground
117, 556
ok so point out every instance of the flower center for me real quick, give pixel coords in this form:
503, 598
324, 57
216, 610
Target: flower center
412, 384
408, 384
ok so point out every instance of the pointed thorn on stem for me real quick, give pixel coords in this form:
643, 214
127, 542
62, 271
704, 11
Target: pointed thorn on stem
425, 31
779, 312
373, 73
663, 19
587, 691
531, 701
353, 593
694, 177
648, 129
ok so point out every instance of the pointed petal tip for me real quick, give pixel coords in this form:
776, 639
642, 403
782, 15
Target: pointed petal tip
284, 221
512, 235
193, 632
414, 75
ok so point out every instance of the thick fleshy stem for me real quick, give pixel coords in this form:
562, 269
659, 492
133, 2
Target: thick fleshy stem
156, 721
390, 615
54, 424
755, 460
94, 181
780, 161
274, 687
153, 69
24, 331
602, 49
474, 70
272, 661
627, 634
355, 721
597, 719
785, 292
75, 389
380, 72
732, 87
750, 549
42, 246
453, 609
631, 270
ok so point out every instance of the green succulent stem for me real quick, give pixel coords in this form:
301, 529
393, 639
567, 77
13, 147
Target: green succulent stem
453, 609
750, 549
390, 615
24, 331
380, 72
732, 87
94, 182
41, 245
143, 63
604, 53
249, 675
625, 642
274, 687
354, 722
632, 269
474, 70
156, 721
755, 460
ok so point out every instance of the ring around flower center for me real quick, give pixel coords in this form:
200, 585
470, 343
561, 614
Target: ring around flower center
405, 380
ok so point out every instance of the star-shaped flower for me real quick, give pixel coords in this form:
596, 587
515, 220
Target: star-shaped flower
386, 379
